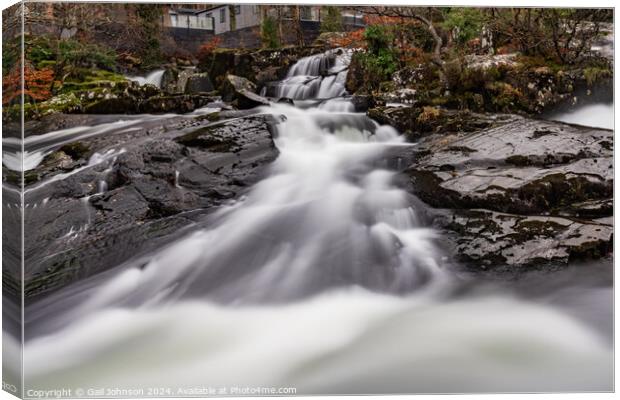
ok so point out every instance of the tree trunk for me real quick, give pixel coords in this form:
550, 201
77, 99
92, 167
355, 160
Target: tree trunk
436, 55
280, 34
298, 30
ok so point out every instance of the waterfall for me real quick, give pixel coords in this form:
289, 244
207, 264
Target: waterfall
153, 78
320, 76
325, 270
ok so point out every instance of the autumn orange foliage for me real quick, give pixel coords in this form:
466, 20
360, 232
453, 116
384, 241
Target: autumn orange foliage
384, 20
37, 83
410, 54
350, 39
207, 48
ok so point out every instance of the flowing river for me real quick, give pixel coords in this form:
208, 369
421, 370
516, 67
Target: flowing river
322, 278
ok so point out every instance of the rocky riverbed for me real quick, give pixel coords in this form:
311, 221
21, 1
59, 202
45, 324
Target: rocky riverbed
509, 193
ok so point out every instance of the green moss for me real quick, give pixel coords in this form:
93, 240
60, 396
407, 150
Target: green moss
12, 177
15, 178
75, 150
46, 64
534, 62
90, 75
506, 97
31, 177
593, 75
93, 80
60, 103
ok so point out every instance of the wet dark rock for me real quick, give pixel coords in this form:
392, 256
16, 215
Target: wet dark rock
199, 83
174, 80
76, 150
362, 102
516, 168
416, 122
496, 241
355, 82
54, 122
286, 100
156, 189
242, 92
174, 103
523, 193
123, 105
591, 209
269, 74
520, 190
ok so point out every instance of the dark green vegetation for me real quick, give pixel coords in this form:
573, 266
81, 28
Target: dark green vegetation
331, 19
496, 60
149, 19
379, 62
269, 33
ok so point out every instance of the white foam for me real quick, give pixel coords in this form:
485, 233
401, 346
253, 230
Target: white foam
594, 115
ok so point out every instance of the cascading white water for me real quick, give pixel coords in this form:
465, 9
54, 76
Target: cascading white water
320, 76
153, 78
595, 115
321, 278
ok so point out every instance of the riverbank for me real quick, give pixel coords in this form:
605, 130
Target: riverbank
517, 194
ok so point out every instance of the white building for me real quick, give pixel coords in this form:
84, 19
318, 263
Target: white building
225, 17
243, 15
190, 19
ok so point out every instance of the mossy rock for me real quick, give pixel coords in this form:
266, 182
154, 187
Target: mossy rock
76, 150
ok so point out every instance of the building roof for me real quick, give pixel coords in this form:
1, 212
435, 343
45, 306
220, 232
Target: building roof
193, 11
183, 10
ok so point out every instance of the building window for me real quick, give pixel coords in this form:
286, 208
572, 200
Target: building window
237, 10
222, 15
173, 20
306, 13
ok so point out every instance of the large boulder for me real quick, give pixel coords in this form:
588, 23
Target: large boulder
199, 83
242, 91
174, 80
538, 191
